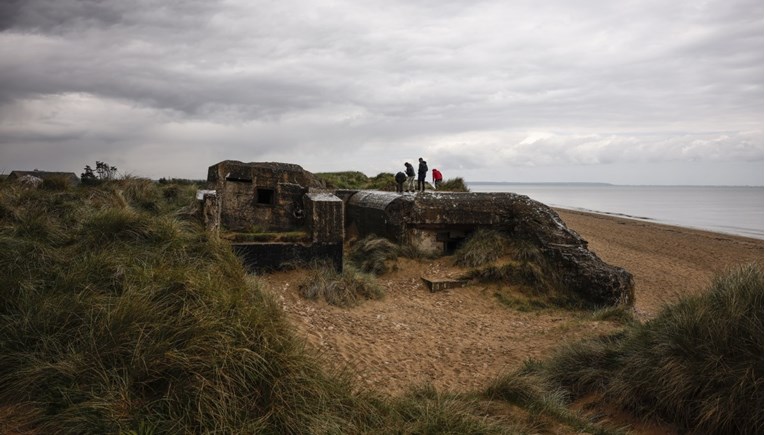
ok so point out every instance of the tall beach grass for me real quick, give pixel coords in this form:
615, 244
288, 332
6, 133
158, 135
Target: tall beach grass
117, 315
697, 365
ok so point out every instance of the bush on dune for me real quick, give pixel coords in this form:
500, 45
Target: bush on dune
373, 254
697, 365
481, 248
343, 289
454, 185
344, 180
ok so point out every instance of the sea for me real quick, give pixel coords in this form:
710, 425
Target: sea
734, 210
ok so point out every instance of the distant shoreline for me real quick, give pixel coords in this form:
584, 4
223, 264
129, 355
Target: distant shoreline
666, 260
650, 221
660, 222
586, 183
735, 210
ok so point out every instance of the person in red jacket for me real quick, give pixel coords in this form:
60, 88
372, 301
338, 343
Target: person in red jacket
437, 178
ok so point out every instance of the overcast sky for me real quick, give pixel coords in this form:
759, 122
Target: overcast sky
619, 91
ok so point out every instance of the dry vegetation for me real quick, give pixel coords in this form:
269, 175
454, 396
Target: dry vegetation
119, 314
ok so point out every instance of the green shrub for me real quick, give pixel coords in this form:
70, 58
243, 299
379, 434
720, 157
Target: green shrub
698, 364
345, 289
546, 403
423, 410
344, 180
481, 248
373, 254
358, 181
454, 185
56, 183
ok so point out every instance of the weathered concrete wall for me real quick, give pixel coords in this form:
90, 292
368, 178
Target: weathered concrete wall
578, 269
270, 173
426, 240
448, 209
267, 196
379, 213
325, 218
273, 197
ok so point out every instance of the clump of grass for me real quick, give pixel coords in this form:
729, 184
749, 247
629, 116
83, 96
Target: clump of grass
698, 364
382, 181
344, 289
373, 254
56, 183
546, 403
618, 313
423, 410
481, 248
525, 252
523, 274
344, 180
454, 185
523, 304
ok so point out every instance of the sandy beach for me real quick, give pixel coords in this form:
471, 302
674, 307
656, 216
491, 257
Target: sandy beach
463, 338
666, 261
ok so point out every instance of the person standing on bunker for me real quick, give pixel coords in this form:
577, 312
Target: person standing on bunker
437, 178
409, 177
400, 178
422, 173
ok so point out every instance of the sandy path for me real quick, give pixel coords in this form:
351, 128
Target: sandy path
463, 338
458, 339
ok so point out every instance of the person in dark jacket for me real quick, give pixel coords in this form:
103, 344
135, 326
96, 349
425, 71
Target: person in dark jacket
409, 177
400, 178
422, 173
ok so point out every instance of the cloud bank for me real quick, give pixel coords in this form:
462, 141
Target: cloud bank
486, 90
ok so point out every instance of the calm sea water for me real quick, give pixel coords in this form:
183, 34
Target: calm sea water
724, 209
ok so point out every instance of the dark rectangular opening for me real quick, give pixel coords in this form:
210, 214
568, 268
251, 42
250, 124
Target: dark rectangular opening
238, 179
452, 240
264, 196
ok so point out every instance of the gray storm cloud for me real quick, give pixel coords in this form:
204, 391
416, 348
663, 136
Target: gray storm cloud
476, 86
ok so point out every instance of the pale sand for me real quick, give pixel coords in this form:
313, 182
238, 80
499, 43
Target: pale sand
464, 338
666, 261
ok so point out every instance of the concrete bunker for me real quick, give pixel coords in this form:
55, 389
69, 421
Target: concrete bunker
277, 213
261, 196
273, 214
435, 223
438, 222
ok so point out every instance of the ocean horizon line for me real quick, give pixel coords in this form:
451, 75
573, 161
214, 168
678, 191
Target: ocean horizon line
596, 183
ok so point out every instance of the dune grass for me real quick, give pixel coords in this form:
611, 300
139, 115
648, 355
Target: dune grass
343, 289
483, 247
373, 254
344, 180
117, 317
358, 180
697, 365
382, 181
454, 185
